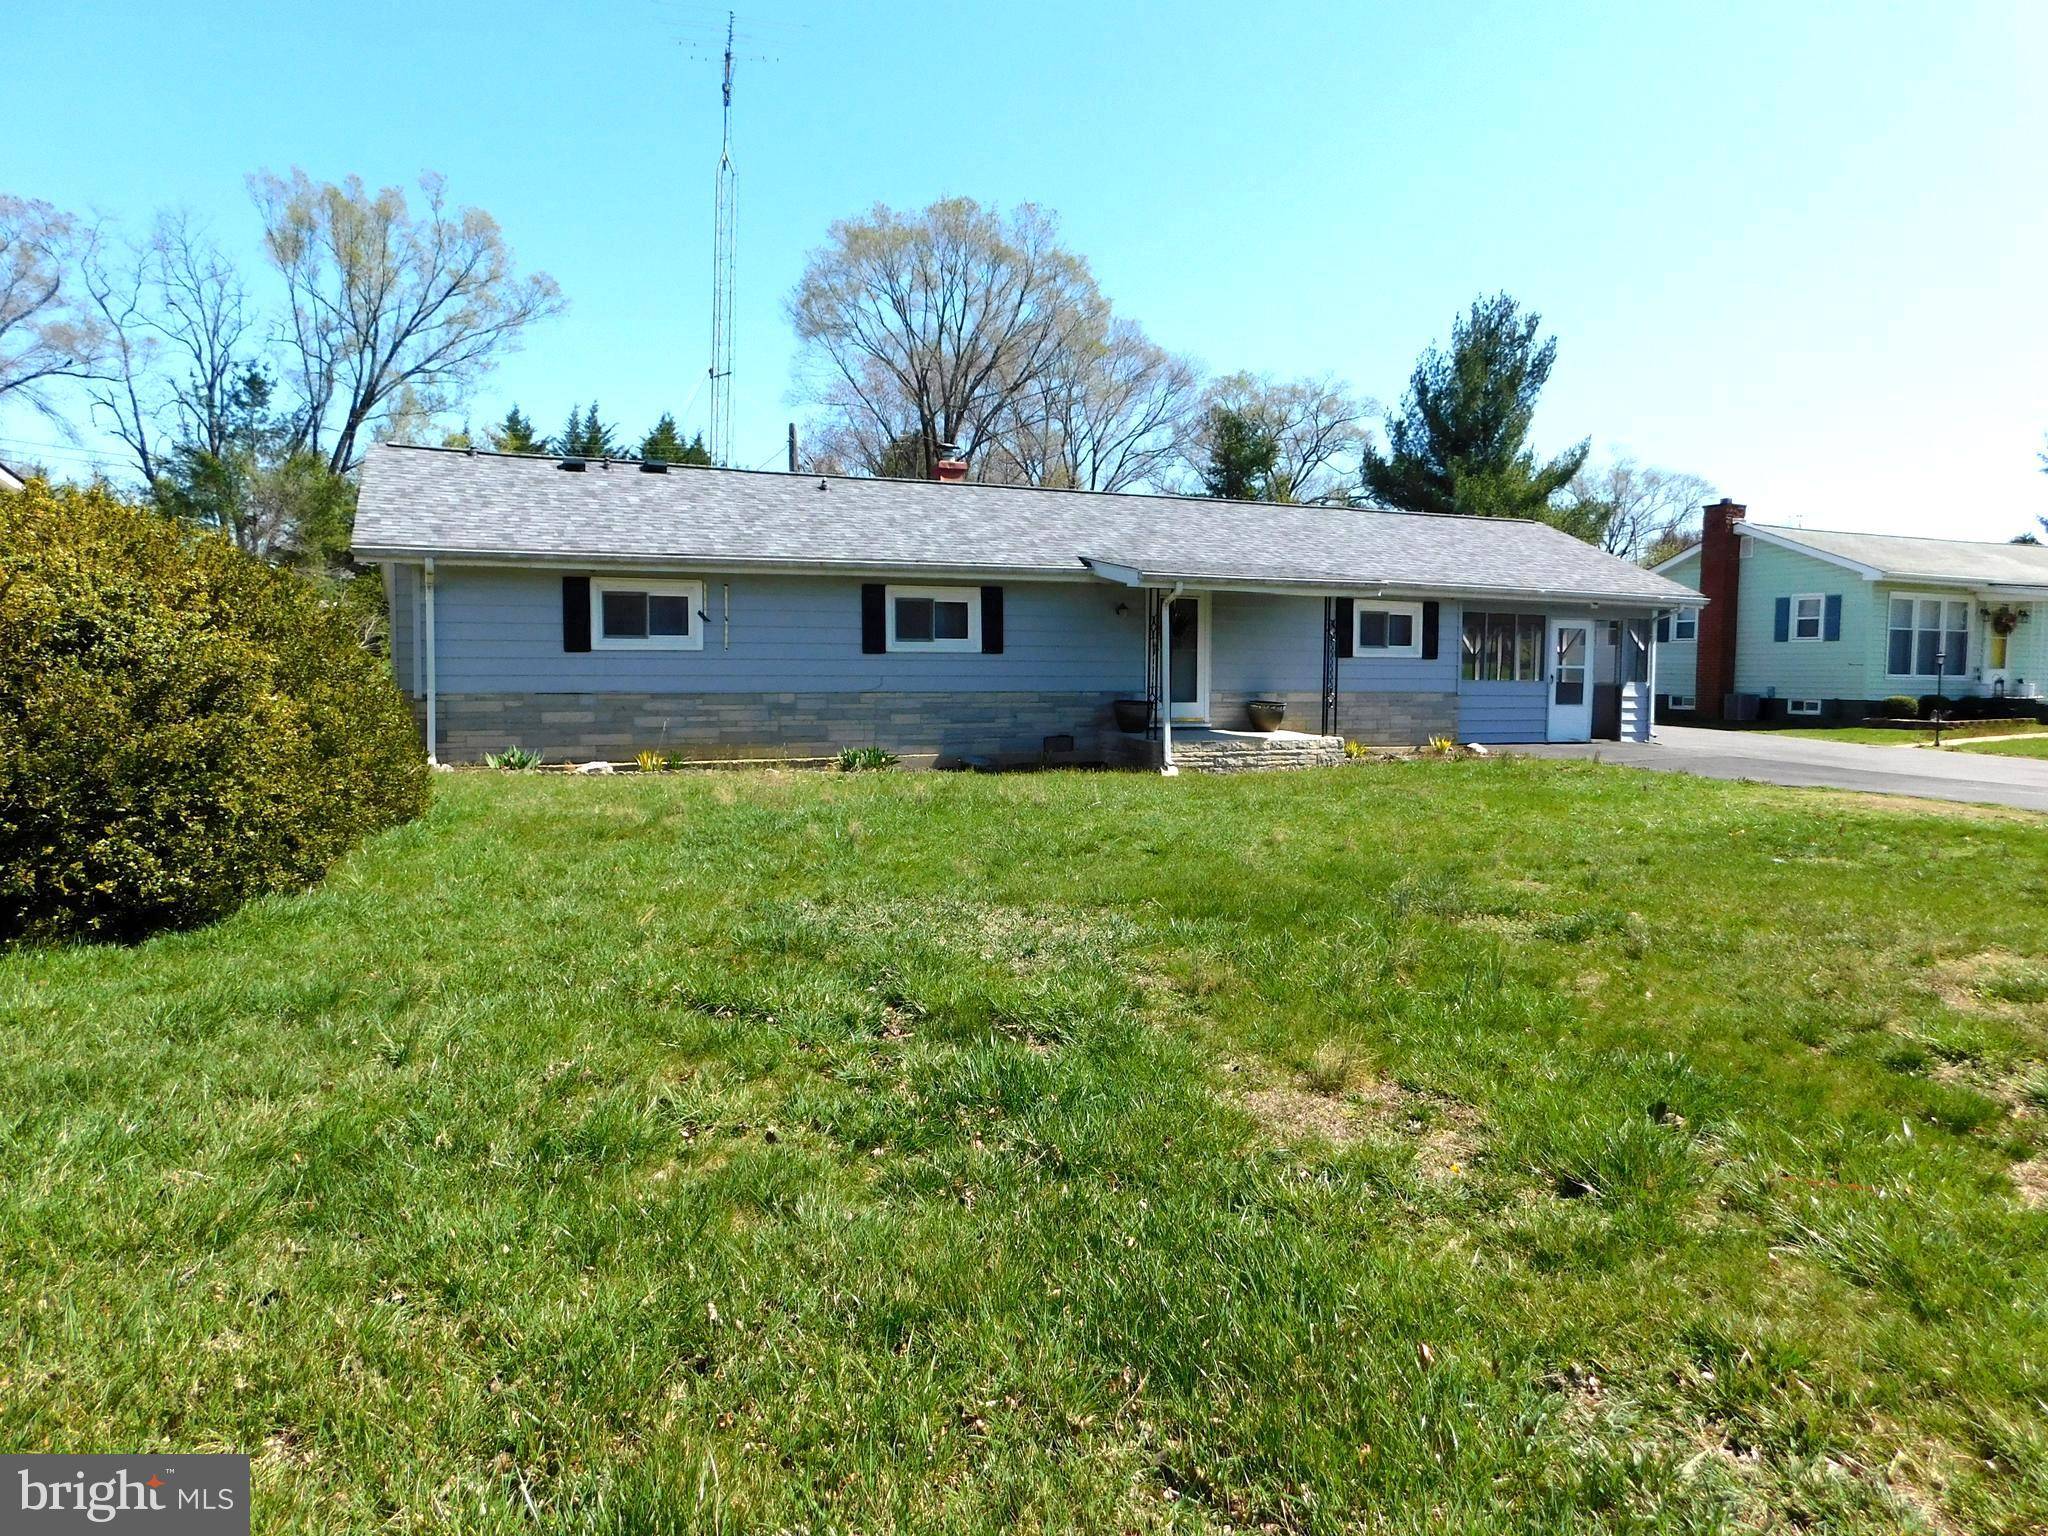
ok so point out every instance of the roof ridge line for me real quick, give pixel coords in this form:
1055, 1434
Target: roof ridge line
1178, 498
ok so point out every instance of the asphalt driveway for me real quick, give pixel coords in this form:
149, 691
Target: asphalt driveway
1774, 759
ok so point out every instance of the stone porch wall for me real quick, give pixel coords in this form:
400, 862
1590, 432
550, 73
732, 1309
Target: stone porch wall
1378, 719
580, 727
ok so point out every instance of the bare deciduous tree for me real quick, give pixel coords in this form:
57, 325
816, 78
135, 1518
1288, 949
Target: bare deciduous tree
937, 323
180, 343
1649, 511
1317, 425
1109, 413
384, 305
48, 331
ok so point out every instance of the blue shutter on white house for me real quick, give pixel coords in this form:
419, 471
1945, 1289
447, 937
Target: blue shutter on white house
1781, 626
1831, 624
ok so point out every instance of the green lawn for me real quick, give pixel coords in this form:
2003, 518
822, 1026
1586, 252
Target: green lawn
1903, 736
1429, 1146
2027, 746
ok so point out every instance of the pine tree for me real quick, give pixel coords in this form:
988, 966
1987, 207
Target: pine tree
588, 436
1242, 454
665, 443
515, 434
1460, 443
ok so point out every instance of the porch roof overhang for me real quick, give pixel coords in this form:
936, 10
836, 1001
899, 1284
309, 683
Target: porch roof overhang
1333, 584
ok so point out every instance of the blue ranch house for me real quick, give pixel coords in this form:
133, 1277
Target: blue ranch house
593, 609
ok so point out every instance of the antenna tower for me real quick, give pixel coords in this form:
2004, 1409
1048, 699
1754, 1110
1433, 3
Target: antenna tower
721, 282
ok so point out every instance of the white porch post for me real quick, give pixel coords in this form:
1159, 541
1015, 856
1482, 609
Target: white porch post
433, 738
1650, 687
1166, 764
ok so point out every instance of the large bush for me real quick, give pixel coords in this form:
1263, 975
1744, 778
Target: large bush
181, 726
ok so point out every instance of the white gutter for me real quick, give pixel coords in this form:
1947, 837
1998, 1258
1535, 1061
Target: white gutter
1166, 763
432, 699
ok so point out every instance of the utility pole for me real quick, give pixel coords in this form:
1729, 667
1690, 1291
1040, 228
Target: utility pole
721, 281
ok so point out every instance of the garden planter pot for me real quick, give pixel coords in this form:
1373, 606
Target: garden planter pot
1266, 714
1133, 715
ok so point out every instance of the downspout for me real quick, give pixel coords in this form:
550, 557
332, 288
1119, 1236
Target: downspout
433, 702
1166, 764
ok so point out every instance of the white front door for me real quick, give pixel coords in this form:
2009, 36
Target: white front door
1571, 680
1187, 658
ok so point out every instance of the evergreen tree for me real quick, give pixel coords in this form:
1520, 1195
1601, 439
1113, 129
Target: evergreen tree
1460, 443
515, 434
665, 444
588, 436
1242, 456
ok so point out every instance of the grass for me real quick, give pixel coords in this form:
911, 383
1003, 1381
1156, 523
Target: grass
1904, 736
1429, 1146
2027, 746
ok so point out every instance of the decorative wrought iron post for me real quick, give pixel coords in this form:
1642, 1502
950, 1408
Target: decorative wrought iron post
1155, 692
1329, 666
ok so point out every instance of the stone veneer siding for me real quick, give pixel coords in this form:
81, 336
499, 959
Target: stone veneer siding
1378, 719
713, 726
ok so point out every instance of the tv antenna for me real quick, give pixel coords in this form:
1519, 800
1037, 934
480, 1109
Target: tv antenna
722, 258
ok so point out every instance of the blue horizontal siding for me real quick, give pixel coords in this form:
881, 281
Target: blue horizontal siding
1503, 712
501, 632
1266, 644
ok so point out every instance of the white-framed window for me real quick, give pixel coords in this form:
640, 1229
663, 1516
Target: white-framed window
1921, 629
934, 618
1808, 611
1681, 701
1389, 629
1685, 625
1802, 706
629, 615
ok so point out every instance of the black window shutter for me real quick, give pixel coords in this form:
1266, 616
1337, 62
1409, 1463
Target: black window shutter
992, 621
1430, 612
575, 613
1347, 625
1781, 625
874, 618
1831, 625
1663, 627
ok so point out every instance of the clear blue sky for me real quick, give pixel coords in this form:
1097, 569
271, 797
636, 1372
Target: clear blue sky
1800, 250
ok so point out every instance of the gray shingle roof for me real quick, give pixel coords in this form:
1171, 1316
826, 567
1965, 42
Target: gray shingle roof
1910, 558
449, 503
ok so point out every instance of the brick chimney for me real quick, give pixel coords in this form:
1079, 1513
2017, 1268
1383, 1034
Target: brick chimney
950, 467
1721, 585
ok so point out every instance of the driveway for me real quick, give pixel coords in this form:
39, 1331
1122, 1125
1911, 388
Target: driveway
1764, 755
